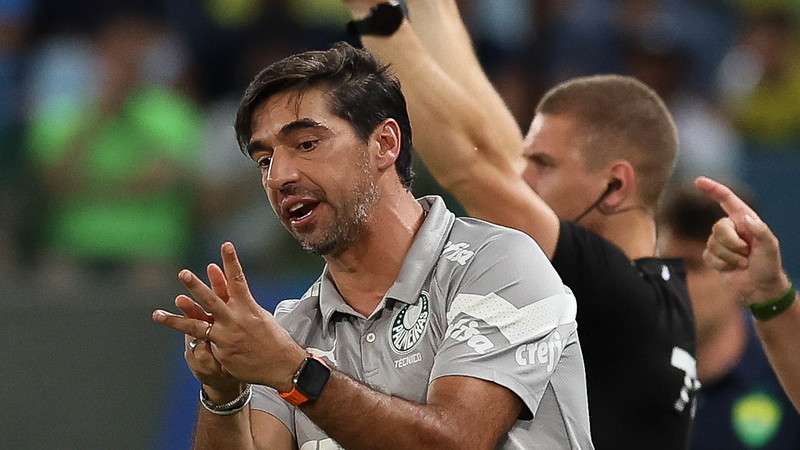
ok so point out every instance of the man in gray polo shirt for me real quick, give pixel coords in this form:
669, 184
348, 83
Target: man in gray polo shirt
423, 331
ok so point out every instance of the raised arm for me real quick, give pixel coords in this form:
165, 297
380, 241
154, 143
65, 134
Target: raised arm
747, 253
439, 26
462, 128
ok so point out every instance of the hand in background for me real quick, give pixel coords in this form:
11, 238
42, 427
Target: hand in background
743, 248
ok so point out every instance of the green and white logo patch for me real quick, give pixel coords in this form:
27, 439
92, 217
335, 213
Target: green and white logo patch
409, 325
756, 419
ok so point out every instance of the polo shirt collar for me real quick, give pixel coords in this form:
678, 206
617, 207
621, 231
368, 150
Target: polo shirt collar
422, 256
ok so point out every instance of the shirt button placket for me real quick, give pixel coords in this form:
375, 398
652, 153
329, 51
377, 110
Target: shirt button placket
369, 355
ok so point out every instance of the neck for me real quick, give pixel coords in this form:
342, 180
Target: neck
366, 270
633, 231
720, 348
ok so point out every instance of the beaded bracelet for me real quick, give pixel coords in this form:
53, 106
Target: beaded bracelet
230, 408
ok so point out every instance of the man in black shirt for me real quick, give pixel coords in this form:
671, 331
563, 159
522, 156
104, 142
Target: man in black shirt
597, 156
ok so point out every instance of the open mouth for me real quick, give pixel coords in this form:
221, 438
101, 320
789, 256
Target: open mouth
301, 212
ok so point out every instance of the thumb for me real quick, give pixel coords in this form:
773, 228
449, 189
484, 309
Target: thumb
757, 229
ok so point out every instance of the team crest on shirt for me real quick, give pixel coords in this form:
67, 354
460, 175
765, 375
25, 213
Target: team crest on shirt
409, 325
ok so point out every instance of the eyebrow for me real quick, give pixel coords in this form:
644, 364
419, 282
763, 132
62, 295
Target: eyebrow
299, 124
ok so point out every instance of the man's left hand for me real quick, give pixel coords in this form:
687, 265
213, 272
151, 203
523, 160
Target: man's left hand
245, 338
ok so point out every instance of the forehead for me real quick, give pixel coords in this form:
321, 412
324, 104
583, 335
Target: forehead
555, 135
286, 107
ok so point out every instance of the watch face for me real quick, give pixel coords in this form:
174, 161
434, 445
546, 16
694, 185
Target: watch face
312, 378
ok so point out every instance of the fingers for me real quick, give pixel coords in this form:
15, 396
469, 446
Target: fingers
717, 263
201, 360
217, 279
203, 294
192, 310
730, 203
724, 234
731, 258
234, 274
192, 327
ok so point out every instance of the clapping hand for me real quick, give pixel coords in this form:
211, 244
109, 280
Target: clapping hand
243, 341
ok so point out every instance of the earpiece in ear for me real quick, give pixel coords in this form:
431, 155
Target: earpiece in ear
614, 185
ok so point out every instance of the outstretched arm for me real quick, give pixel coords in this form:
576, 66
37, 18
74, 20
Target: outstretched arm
439, 26
441, 31
746, 251
462, 129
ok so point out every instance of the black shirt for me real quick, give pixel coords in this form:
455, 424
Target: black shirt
637, 333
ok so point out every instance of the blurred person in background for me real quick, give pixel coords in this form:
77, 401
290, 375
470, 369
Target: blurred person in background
759, 80
14, 35
741, 404
584, 183
116, 164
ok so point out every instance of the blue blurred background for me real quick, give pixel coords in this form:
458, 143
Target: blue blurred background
118, 166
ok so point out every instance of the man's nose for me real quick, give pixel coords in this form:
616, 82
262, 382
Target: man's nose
282, 171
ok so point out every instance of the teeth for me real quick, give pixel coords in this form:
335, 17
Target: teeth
296, 207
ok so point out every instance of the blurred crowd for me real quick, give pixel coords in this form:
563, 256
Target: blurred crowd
118, 156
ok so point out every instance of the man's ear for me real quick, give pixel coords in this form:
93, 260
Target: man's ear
623, 188
387, 135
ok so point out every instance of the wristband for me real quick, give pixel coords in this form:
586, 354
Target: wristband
230, 408
771, 308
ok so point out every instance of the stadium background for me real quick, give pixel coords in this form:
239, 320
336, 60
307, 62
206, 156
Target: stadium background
118, 166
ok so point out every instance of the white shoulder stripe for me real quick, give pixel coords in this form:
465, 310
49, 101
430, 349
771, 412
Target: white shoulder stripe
516, 324
312, 291
285, 307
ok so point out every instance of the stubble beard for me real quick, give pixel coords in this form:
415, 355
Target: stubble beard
350, 218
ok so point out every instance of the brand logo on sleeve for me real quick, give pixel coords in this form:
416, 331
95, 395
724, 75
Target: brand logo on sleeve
457, 253
409, 325
544, 353
467, 330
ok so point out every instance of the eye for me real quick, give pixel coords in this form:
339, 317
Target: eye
307, 146
542, 162
263, 162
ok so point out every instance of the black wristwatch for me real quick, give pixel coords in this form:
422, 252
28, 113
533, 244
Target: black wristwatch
308, 381
383, 19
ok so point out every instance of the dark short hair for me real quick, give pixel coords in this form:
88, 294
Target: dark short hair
360, 90
689, 214
619, 117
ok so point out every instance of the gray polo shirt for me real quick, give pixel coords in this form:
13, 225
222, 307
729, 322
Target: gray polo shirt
472, 299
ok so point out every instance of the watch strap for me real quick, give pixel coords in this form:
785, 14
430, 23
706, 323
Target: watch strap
299, 394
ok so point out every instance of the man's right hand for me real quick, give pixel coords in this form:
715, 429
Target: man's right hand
219, 385
743, 248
